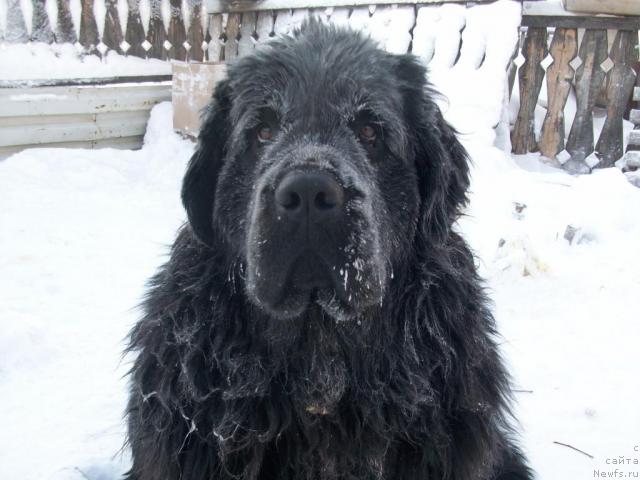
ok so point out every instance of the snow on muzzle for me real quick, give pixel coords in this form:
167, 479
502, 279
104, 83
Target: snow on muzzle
313, 237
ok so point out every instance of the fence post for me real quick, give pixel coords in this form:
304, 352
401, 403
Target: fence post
589, 78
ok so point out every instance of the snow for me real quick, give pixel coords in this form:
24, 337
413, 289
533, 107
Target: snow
34, 61
82, 230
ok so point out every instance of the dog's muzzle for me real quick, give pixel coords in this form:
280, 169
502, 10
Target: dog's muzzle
312, 238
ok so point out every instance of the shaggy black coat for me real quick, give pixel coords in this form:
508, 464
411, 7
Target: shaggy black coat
407, 386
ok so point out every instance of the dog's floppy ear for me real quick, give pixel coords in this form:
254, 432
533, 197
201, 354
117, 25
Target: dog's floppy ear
199, 184
441, 160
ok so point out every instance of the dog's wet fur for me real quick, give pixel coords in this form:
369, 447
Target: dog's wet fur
348, 338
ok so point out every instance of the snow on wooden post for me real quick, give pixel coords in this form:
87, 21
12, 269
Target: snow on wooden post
16, 27
564, 48
531, 75
177, 35
134, 35
195, 35
40, 26
65, 33
156, 35
620, 84
215, 29
247, 32
232, 32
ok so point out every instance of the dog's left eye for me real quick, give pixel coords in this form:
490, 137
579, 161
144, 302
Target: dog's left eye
265, 133
368, 133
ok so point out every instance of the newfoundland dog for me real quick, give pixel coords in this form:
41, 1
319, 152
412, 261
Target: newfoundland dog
319, 318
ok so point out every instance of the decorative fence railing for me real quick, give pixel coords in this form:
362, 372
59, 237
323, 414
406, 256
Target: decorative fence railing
598, 58
593, 56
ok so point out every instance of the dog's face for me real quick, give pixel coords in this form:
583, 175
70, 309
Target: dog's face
310, 171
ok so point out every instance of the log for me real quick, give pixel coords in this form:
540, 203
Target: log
531, 75
589, 78
564, 48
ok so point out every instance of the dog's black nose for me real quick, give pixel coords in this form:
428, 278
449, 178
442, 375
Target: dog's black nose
309, 193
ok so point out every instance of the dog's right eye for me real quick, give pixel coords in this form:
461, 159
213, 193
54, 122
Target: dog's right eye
265, 133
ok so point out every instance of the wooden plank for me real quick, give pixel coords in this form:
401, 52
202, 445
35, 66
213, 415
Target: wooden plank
531, 75
195, 35
512, 68
589, 78
177, 34
564, 48
16, 26
634, 117
220, 6
264, 25
622, 78
40, 26
78, 100
127, 143
88, 28
618, 23
215, 48
231, 36
112, 33
247, 32
61, 129
65, 33
134, 35
634, 137
614, 7
90, 81
156, 35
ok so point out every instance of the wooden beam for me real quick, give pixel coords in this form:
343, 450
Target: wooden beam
616, 7
602, 23
83, 81
220, 6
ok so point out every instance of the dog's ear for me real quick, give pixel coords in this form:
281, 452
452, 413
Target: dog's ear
441, 160
199, 183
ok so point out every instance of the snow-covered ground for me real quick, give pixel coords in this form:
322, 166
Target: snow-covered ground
82, 230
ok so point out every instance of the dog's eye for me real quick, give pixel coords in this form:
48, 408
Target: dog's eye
265, 133
368, 133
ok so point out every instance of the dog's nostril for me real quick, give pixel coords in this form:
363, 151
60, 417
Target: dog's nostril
289, 200
325, 201
304, 192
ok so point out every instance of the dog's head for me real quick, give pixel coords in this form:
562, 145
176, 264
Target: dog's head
324, 167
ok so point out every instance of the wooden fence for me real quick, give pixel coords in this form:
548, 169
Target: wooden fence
594, 56
598, 57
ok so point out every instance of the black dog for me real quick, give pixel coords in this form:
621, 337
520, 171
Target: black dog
318, 318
